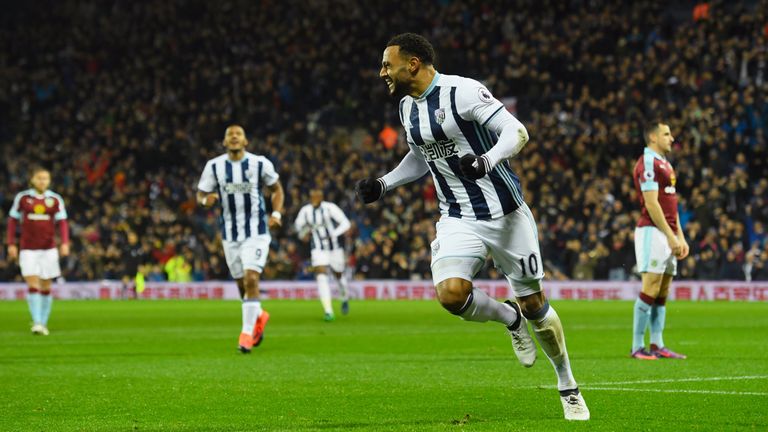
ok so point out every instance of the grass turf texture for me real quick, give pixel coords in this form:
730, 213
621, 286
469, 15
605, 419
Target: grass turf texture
173, 365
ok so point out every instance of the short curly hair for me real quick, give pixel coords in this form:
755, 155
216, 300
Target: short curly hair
415, 45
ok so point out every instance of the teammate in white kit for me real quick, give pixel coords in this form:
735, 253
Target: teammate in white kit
323, 223
236, 178
461, 134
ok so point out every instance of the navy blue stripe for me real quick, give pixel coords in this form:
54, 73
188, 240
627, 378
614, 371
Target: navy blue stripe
231, 200
262, 215
506, 197
402, 104
476, 197
327, 233
494, 113
246, 200
314, 222
221, 210
454, 210
504, 165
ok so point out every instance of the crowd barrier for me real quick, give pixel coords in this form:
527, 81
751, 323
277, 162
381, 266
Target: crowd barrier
395, 290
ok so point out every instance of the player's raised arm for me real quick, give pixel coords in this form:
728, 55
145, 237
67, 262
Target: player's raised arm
477, 104
411, 168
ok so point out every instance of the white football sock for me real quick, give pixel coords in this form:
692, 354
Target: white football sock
481, 308
324, 292
251, 312
549, 332
343, 287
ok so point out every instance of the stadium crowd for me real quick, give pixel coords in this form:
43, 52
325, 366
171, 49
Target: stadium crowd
125, 101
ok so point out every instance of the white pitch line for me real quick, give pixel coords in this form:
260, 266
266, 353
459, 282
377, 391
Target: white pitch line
675, 380
719, 392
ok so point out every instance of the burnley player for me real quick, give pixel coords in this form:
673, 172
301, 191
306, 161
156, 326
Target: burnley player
39, 212
238, 177
457, 131
659, 241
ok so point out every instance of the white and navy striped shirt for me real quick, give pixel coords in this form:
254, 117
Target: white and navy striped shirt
327, 222
448, 121
239, 185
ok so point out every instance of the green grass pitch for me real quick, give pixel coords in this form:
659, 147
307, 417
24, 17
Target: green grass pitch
173, 365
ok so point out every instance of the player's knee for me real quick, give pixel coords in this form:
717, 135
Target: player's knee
532, 304
453, 294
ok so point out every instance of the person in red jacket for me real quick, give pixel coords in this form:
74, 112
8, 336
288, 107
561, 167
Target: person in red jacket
38, 212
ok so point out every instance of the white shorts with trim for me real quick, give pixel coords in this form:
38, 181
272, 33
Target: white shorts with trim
653, 252
461, 247
334, 259
43, 263
249, 254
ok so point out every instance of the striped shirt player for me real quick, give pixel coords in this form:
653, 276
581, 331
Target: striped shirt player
39, 212
463, 136
456, 116
324, 223
659, 241
243, 219
236, 180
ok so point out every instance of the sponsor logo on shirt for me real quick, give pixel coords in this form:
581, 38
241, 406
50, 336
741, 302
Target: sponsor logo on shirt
439, 150
232, 188
670, 190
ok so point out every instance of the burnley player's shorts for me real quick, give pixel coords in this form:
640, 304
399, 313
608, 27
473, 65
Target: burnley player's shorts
653, 252
249, 254
461, 247
43, 263
329, 258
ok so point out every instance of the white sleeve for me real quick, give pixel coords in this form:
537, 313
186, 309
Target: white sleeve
301, 221
62, 213
207, 181
338, 215
268, 174
411, 168
14, 212
475, 103
512, 138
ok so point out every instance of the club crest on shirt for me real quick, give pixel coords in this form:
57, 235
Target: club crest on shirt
440, 115
484, 95
49, 202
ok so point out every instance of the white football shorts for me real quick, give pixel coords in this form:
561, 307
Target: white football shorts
249, 254
653, 252
462, 246
334, 259
43, 263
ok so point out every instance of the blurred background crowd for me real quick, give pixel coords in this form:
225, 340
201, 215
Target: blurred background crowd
125, 101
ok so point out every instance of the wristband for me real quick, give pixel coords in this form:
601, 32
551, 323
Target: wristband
277, 215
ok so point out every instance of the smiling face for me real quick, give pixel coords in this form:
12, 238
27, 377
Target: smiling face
234, 138
397, 71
